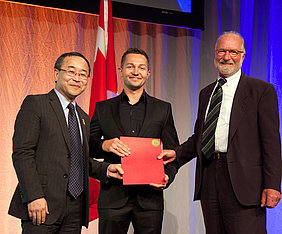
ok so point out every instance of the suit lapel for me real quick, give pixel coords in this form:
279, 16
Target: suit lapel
83, 126
115, 108
148, 114
85, 144
238, 107
57, 107
202, 112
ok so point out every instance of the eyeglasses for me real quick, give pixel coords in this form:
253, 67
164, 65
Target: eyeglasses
72, 73
233, 53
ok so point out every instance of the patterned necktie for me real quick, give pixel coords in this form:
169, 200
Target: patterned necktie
75, 185
208, 136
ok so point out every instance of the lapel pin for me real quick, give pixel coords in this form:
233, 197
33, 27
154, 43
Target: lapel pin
83, 121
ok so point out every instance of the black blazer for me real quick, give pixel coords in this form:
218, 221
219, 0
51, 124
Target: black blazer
254, 148
158, 123
41, 156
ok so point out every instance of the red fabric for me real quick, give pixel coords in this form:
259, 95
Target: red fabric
94, 186
104, 79
104, 71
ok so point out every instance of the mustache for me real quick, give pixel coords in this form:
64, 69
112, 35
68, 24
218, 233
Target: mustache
222, 61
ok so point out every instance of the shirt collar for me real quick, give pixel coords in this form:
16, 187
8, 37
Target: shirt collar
124, 97
235, 76
64, 101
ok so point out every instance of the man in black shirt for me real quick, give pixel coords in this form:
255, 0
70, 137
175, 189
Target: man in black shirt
132, 113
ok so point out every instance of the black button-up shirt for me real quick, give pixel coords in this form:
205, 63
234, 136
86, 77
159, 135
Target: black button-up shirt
132, 116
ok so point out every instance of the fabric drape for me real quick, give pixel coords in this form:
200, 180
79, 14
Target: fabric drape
181, 62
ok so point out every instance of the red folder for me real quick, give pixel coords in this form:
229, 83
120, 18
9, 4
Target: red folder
142, 166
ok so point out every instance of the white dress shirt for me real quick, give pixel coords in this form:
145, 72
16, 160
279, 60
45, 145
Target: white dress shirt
222, 127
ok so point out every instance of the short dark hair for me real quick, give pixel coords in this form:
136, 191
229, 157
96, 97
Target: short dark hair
134, 51
60, 60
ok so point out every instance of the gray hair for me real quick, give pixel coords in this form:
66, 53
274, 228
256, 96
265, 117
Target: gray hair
232, 33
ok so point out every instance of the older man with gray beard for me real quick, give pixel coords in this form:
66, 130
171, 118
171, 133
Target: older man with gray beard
237, 144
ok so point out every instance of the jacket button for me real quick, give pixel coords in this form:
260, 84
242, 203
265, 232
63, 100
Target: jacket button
68, 155
65, 176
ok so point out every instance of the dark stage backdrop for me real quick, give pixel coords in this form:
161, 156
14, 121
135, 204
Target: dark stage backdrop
31, 38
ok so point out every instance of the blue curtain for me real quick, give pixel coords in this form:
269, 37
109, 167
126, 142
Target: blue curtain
259, 22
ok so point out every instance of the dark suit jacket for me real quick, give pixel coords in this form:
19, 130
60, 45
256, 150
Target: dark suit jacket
41, 156
158, 123
254, 150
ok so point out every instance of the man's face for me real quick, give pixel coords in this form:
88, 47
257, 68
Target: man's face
69, 83
228, 63
135, 71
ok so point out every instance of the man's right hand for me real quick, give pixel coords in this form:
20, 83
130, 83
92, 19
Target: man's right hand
116, 146
167, 156
37, 211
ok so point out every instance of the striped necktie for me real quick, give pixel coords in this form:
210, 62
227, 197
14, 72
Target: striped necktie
208, 135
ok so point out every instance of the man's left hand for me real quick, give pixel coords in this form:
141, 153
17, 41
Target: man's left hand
160, 186
167, 156
270, 198
115, 171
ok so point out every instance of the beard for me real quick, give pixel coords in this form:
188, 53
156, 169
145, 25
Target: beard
134, 86
229, 70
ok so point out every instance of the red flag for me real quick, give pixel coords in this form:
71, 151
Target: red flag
104, 71
104, 82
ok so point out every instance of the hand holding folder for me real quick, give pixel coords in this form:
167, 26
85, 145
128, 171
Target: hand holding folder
142, 166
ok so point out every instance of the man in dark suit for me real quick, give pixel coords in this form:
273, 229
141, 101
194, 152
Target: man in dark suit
52, 165
238, 170
132, 113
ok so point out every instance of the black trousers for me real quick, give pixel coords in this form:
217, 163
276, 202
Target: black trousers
223, 214
116, 221
70, 221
